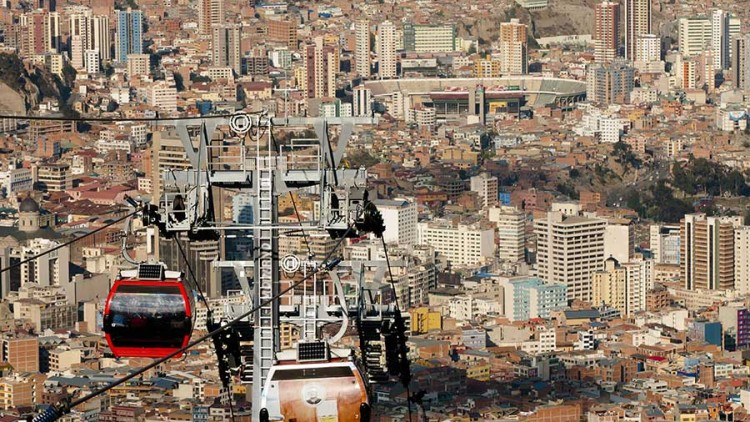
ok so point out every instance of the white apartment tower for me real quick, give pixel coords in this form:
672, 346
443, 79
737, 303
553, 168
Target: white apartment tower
387, 50
400, 218
362, 48
570, 249
647, 48
511, 232
362, 100
462, 244
665, 243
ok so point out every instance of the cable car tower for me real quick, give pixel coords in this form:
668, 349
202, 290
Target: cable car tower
256, 164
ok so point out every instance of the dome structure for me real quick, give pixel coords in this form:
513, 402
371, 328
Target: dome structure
28, 205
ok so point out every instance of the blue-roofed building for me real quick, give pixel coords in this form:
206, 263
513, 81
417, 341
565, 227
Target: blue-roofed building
530, 297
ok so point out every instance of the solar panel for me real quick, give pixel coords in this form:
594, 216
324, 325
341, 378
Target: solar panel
312, 351
150, 272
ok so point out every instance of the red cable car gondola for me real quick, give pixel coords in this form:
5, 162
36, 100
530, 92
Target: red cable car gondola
148, 313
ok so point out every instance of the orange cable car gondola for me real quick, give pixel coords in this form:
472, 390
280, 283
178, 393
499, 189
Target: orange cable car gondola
148, 313
317, 388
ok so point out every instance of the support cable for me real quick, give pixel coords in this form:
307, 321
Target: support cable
53, 413
68, 243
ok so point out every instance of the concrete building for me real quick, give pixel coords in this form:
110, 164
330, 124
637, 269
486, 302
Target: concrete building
91, 57
22, 353
362, 48
461, 244
487, 187
53, 177
664, 241
699, 33
606, 31
430, 38
21, 390
128, 38
741, 61
386, 44
362, 101
138, 65
225, 47
637, 22
619, 242
321, 65
63, 359
647, 48
610, 83
210, 14
284, 31
529, 297
742, 259
707, 251
570, 249
163, 95
511, 233
622, 286
513, 48
400, 218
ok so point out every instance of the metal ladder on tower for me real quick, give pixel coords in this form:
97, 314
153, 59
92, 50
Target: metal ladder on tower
265, 248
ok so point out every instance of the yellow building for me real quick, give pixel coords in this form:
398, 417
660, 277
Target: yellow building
608, 286
20, 391
479, 372
424, 320
486, 67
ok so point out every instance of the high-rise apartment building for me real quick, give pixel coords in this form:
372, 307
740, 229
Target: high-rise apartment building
101, 39
52, 32
210, 14
742, 260
665, 243
429, 38
362, 48
513, 48
637, 22
400, 218
362, 101
225, 47
741, 61
647, 48
694, 35
511, 232
707, 251
699, 33
128, 37
610, 83
321, 65
80, 32
387, 50
570, 249
622, 286
606, 31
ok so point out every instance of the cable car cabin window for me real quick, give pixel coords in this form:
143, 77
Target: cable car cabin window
310, 373
153, 316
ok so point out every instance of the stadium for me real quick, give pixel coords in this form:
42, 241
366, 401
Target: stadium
475, 96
